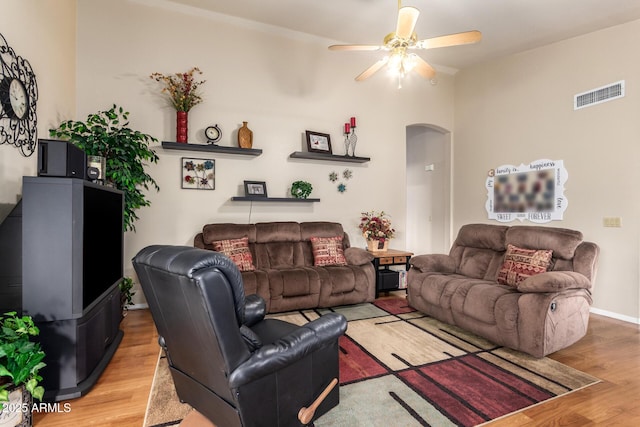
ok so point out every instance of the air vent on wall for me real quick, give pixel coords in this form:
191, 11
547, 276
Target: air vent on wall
599, 95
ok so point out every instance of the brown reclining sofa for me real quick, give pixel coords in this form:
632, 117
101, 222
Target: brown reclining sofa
506, 296
284, 271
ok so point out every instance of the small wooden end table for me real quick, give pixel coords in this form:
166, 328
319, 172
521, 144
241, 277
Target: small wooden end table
387, 279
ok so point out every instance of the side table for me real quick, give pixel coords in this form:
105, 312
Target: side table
386, 278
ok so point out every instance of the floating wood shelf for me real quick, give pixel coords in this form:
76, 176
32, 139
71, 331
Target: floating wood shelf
328, 157
272, 199
211, 148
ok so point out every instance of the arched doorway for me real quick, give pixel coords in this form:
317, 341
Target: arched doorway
428, 165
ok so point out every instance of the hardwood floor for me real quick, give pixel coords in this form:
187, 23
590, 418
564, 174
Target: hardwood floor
610, 351
119, 398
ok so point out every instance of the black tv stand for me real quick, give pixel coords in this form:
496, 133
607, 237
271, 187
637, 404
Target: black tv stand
72, 249
85, 385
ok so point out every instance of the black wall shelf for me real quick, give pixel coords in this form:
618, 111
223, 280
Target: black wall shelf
272, 199
211, 148
329, 157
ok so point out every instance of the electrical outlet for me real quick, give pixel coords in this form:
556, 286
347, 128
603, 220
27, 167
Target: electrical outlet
611, 221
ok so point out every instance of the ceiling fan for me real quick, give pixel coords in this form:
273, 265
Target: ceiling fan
398, 43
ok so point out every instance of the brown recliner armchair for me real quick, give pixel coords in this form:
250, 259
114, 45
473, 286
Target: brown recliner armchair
226, 360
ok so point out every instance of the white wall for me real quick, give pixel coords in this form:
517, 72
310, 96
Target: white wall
520, 109
43, 33
282, 84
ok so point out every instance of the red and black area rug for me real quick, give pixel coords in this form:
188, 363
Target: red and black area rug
399, 367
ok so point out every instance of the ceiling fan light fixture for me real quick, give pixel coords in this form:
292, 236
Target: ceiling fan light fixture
398, 61
410, 61
401, 63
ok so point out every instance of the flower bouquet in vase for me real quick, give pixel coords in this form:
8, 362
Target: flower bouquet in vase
376, 229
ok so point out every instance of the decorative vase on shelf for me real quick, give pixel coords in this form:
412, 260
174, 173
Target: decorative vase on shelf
182, 125
245, 136
376, 245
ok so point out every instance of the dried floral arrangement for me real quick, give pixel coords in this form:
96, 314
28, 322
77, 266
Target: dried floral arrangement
182, 88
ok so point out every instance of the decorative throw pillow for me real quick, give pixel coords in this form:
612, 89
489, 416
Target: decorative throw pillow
521, 263
238, 251
327, 251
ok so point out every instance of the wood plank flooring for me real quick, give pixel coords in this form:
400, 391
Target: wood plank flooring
609, 351
119, 397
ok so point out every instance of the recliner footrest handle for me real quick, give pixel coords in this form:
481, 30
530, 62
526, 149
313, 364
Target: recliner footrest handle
305, 415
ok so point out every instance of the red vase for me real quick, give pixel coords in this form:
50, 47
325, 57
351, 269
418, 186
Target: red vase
182, 123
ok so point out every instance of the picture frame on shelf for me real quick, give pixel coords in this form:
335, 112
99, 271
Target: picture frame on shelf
255, 189
318, 142
198, 174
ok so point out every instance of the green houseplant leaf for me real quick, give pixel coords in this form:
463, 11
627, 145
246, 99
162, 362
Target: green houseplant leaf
20, 357
106, 134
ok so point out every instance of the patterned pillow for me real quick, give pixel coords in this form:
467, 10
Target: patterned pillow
327, 251
521, 263
238, 251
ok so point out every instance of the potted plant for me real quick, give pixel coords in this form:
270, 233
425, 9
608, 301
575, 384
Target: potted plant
20, 362
301, 189
126, 293
376, 229
106, 134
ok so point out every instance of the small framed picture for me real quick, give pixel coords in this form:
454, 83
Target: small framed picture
255, 189
318, 142
198, 174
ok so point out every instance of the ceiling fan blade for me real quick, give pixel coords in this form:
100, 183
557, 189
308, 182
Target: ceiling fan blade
407, 17
371, 70
451, 40
424, 69
355, 47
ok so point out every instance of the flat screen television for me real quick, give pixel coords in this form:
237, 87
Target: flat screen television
103, 242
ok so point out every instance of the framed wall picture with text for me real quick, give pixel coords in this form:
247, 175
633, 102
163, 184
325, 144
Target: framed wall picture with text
318, 142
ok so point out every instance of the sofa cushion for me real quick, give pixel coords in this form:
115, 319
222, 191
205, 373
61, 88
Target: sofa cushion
238, 251
482, 236
561, 241
224, 231
267, 232
478, 299
327, 251
554, 281
478, 250
521, 263
475, 262
440, 263
357, 256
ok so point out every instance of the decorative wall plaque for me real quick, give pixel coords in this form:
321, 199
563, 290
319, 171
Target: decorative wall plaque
534, 192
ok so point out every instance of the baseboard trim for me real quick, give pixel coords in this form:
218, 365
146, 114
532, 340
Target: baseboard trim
617, 316
138, 306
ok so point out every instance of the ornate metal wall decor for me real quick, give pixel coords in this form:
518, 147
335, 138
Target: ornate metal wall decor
18, 96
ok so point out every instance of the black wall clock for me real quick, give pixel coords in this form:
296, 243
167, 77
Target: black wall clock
18, 96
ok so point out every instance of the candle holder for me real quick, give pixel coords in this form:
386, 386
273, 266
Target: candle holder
353, 139
346, 144
350, 137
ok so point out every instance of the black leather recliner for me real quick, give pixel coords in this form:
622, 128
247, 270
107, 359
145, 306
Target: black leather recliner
226, 360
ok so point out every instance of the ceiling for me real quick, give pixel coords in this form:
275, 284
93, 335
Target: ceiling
508, 26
